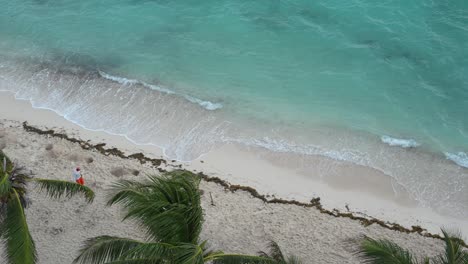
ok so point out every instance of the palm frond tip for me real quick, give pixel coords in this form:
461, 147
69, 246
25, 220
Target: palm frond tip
58, 188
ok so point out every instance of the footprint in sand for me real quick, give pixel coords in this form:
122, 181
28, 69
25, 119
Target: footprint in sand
118, 172
50, 151
75, 158
52, 154
7, 139
89, 160
49, 147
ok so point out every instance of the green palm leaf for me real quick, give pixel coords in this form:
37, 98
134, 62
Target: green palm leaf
104, 249
293, 260
6, 163
20, 246
186, 253
241, 259
5, 184
384, 252
167, 206
58, 188
138, 261
155, 252
274, 252
124, 192
454, 253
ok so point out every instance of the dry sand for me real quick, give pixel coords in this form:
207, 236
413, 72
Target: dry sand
238, 222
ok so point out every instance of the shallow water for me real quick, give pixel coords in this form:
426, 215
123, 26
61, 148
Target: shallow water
330, 78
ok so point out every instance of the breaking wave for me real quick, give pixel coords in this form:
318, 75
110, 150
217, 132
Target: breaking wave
205, 104
404, 143
460, 158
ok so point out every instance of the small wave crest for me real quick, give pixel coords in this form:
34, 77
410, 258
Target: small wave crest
205, 104
275, 145
399, 142
460, 158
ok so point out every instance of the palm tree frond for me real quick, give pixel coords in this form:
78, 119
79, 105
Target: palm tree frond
103, 249
5, 184
152, 251
275, 251
384, 252
138, 261
207, 252
20, 246
180, 253
187, 253
124, 192
294, 260
241, 259
454, 253
6, 163
58, 188
168, 206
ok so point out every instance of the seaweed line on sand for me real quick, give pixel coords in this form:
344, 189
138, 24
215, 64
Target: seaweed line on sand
314, 203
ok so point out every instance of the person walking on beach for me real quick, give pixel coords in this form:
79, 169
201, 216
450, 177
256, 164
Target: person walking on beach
77, 176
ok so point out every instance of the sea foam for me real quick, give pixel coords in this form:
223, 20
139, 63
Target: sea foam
460, 158
122, 80
206, 104
404, 143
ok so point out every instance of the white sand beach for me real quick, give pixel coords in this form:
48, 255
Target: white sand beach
237, 222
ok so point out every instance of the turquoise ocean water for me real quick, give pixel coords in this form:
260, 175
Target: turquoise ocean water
396, 71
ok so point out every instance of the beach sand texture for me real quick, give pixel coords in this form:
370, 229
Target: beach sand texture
238, 222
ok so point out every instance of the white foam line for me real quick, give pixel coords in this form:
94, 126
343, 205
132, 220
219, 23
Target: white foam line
205, 104
91, 129
404, 143
460, 158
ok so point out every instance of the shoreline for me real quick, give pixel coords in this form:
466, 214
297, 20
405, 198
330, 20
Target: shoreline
156, 163
242, 168
348, 166
234, 221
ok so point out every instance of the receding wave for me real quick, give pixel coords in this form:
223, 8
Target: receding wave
460, 158
284, 146
205, 104
399, 142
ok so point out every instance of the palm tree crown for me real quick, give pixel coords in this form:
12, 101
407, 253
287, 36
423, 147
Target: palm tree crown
168, 208
386, 252
14, 230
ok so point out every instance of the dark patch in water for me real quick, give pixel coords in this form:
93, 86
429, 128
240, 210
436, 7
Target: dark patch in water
84, 62
391, 52
370, 43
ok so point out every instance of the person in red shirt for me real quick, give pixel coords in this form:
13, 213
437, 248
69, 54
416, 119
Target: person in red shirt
77, 176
